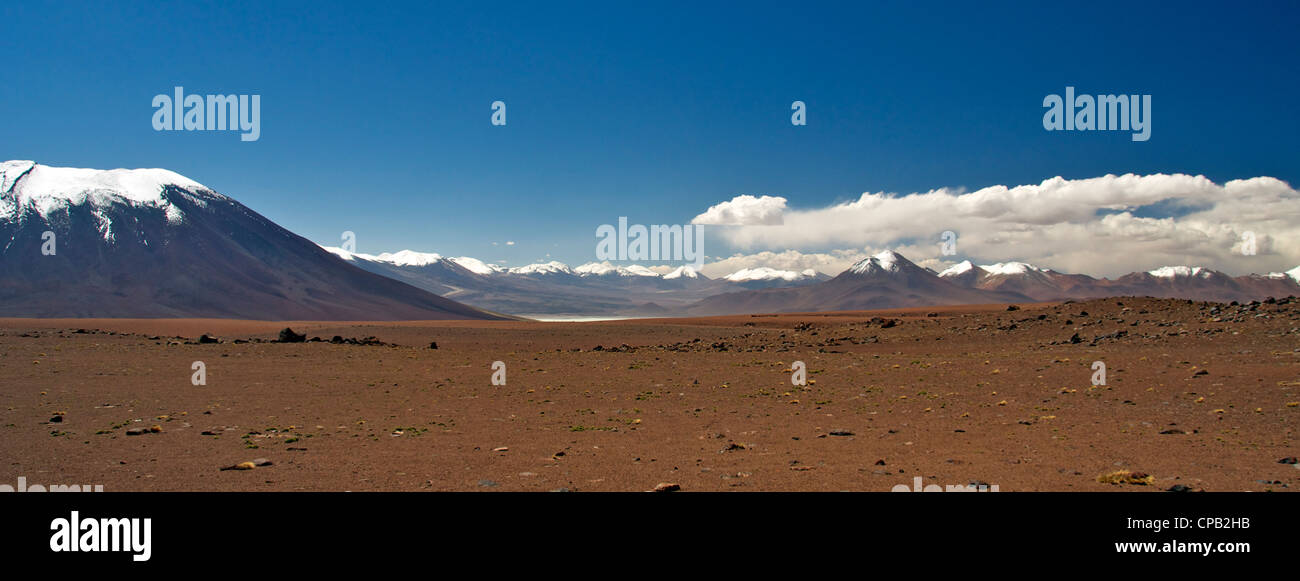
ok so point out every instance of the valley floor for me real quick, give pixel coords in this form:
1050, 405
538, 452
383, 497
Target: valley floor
1197, 395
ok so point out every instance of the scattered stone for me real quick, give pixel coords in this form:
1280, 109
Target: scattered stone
501, 449
1201, 372
261, 462
205, 339
840, 433
667, 487
487, 483
1179, 488
1012, 308
56, 420
1288, 460
433, 345
288, 336
732, 447
241, 466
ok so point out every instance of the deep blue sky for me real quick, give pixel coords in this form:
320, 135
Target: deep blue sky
375, 115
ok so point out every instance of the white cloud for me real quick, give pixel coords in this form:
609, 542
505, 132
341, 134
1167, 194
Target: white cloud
744, 210
1087, 225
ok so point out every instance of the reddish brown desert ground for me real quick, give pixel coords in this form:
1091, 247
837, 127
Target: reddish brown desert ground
1198, 395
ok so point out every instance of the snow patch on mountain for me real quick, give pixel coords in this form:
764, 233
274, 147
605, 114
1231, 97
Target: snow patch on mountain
476, 266
409, 258
1009, 268
887, 261
766, 273
606, 268
551, 267
1179, 272
682, 272
27, 184
962, 267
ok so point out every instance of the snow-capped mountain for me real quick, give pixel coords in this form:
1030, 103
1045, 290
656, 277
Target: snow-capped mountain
1018, 277
153, 243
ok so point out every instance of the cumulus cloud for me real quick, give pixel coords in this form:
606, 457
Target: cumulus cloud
1106, 226
745, 210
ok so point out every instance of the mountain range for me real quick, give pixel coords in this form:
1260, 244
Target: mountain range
556, 290
153, 243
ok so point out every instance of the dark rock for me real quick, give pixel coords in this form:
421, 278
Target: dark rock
433, 345
667, 487
841, 433
205, 339
288, 336
1179, 488
1287, 460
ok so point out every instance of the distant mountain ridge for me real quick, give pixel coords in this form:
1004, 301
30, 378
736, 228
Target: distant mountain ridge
1191, 282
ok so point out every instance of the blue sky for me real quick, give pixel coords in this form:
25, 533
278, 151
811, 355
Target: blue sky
375, 116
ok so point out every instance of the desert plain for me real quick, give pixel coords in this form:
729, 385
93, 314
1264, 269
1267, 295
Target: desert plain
1196, 396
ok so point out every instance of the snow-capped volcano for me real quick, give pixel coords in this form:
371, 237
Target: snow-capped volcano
153, 243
